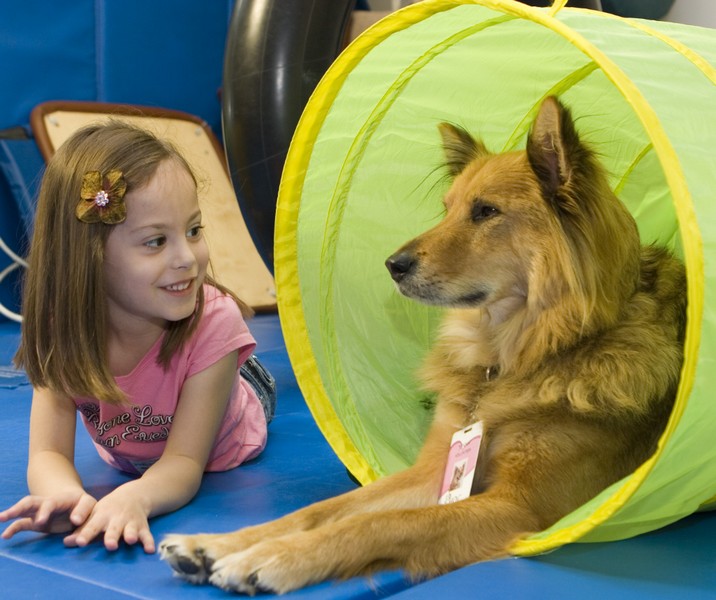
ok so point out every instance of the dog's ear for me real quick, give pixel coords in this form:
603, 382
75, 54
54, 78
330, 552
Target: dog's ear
460, 147
553, 147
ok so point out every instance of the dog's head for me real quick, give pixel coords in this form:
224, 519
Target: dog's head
525, 228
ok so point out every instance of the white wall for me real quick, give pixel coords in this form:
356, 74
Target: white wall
693, 12
388, 4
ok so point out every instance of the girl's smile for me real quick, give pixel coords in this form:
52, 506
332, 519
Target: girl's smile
179, 288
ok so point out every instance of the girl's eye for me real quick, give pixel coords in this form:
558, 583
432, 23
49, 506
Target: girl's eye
156, 242
195, 231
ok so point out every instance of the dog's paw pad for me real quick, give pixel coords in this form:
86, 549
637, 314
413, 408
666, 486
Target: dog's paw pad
252, 585
194, 566
254, 581
233, 574
186, 566
206, 561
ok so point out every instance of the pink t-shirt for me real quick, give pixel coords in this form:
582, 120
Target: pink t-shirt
131, 437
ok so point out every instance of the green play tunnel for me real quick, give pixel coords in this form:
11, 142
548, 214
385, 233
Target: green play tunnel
362, 177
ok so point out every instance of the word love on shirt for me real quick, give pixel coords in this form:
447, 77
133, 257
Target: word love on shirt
138, 424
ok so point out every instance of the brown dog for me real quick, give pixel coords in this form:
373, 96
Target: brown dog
563, 337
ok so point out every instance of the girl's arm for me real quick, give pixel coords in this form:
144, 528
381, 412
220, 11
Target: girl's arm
57, 500
174, 479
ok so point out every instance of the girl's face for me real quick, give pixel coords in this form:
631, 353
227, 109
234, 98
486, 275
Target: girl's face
156, 260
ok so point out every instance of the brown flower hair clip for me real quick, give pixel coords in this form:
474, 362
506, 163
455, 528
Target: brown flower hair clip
102, 198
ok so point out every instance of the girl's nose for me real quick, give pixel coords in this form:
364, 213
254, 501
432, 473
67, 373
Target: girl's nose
184, 257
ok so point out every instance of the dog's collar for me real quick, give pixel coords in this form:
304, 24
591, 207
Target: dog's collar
491, 372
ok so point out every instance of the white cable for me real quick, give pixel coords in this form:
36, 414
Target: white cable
14, 257
13, 316
17, 262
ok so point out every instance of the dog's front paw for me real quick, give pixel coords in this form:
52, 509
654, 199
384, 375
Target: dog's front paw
192, 556
274, 566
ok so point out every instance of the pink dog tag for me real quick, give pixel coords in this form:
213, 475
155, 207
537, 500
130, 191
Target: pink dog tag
460, 468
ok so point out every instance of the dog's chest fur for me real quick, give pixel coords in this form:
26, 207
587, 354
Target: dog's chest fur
464, 367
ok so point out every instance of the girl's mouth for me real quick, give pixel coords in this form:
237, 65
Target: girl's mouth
179, 287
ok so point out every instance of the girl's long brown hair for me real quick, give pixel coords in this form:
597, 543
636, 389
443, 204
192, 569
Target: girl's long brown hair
64, 331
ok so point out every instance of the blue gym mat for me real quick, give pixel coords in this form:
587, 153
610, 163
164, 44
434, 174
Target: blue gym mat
297, 468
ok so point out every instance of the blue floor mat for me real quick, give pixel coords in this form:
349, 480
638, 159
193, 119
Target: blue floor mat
298, 468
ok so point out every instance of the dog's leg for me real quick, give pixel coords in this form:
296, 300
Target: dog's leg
424, 541
193, 556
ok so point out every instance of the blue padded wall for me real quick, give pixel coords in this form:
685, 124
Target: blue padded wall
165, 53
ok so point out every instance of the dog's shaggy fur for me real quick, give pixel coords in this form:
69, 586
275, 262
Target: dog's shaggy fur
563, 336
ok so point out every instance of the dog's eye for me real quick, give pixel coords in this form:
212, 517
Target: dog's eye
482, 211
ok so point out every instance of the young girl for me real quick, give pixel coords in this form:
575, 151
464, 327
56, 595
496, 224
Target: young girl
123, 324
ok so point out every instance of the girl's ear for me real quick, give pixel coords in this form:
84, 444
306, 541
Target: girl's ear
460, 147
553, 147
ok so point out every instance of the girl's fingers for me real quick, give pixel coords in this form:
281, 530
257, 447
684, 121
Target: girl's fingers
130, 534
112, 537
82, 511
147, 539
115, 530
44, 512
17, 526
22, 508
86, 532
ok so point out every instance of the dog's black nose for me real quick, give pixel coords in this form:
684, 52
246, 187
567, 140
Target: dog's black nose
400, 264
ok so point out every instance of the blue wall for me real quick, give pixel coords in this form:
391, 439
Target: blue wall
166, 53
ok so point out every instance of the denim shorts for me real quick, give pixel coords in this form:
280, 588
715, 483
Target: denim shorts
263, 384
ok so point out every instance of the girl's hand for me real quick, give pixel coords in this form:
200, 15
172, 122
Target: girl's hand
52, 514
174, 479
120, 516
